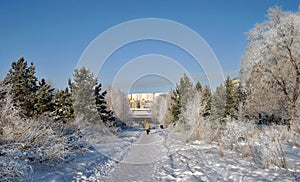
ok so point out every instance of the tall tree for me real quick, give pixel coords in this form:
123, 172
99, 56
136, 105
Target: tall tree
63, 106
231, 99
44, 98
207, 99
194, 115
218, 104
23, 81
271, 65
105, 114
159, 109
83, 94
175, 105
198, 87
185, 89
119, 103
181, 94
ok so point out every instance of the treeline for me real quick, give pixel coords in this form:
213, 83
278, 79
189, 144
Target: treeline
267, 92
35, 97
217, 105
196, 109
39, 124
268, 87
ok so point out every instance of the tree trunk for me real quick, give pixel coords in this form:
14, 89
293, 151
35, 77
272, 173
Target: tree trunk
294, 118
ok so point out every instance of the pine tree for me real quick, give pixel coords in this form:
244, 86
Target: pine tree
185, 89
105, 114
179, 98
83, 95
218, 104
44, 98
207, 99
63, 106
22, 80
175, 105
198, 87
3, 92
231, 99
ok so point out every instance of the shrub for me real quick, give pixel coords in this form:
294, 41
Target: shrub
263, 145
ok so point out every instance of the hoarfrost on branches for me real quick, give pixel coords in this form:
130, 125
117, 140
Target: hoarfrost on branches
270, 72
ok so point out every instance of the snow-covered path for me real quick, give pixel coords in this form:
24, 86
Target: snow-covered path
141, 160
165, 156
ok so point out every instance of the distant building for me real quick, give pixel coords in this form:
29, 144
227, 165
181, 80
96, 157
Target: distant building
142, 101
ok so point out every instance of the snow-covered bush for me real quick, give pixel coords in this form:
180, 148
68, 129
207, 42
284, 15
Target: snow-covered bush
269, 150
25, 141
193, 122
11, 170
291, 135
263, 145
94, 133
8, 112
239, 136
39, 140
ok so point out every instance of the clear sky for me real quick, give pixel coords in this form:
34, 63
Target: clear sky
54, 33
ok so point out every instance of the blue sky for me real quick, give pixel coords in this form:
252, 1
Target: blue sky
54, 33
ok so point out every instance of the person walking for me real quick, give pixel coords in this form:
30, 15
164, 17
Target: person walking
147, 127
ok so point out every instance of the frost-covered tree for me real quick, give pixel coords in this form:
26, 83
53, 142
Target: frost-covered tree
23, 82
44, 98
207, 99
9, 112
181, 94
63, 105
174, 106
231, 107
83, 94
193, 114
198, 87
118, 102
185, 89
270, 72
218, 104
159, 109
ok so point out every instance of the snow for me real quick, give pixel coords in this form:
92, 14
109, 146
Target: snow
141, 160
165, 156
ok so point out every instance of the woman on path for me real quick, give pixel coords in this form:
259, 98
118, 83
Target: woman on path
147, 127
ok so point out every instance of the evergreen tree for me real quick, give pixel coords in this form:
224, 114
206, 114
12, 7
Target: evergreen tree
44, 98
231, 99
83, 94
218, 104
22, 80
63, 106
3, 92
179, 98
175, 106
101, 105
185, 89
207, 99
198, 87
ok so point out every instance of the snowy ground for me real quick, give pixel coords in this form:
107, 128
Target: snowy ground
164, 156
